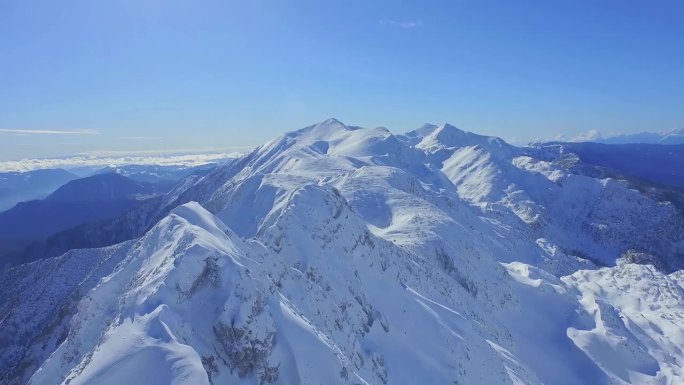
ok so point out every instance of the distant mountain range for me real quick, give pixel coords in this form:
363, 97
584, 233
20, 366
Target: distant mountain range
50, 226
17, 187
669, 137
25, 186
656, 170
77, 202
675, 136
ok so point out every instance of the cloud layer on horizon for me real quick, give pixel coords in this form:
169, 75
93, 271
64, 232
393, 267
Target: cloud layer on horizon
160, 159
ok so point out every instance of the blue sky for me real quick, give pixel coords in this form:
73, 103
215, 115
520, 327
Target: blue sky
131, 75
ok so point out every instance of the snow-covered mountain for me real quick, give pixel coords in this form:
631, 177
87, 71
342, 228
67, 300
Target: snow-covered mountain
344, 255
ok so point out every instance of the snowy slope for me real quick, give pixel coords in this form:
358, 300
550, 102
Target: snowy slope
344, 255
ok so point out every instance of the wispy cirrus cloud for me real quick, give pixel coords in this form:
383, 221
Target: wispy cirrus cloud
404, 24
48, 132
140, 137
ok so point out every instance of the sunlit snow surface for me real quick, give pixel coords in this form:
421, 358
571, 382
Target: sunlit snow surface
342, 255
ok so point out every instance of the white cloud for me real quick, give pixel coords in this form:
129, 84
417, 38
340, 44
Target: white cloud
48, 132
117, 158
167, 153
405, 24
589, 136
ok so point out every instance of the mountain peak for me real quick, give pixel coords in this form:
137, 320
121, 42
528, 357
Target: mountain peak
422, 131
449, 136
196, 215
332, 121
322, 130
448, 129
